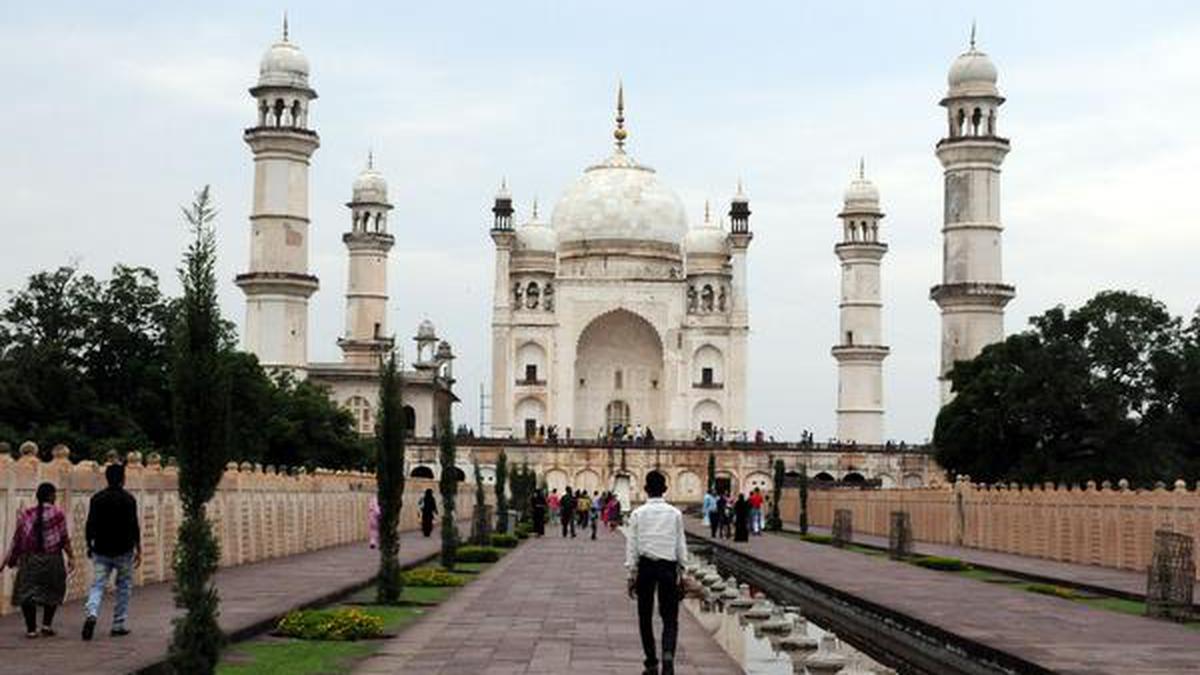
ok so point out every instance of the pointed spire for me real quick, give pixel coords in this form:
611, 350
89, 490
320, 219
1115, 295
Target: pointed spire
862, 167
370, 159
740, 193
706, 212
535, 207
972, 34
620, 134
285, 26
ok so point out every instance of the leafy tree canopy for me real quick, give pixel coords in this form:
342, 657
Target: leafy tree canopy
1107, 391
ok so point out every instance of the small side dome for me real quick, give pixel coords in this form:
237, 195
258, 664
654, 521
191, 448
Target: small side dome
283, 65
443, 351
708, 237
370, 186
536, 236
861, 194
425, 331
972, 74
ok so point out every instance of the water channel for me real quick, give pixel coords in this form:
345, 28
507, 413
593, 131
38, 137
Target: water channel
763, 636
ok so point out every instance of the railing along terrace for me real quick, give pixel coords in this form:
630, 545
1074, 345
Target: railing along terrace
697, 445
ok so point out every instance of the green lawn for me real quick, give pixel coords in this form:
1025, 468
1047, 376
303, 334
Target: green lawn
472, 568
272, 656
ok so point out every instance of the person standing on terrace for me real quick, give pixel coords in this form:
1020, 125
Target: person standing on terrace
655, 550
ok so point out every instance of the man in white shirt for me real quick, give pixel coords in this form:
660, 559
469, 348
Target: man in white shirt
655, 549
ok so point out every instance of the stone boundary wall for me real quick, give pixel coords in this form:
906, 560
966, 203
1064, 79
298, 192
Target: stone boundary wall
1106, 526
258, 514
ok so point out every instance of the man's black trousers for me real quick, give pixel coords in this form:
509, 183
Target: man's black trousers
661, 577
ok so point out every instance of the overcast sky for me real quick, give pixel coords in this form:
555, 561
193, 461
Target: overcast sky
114, 113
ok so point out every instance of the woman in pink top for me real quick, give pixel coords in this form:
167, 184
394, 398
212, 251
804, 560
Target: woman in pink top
38, 546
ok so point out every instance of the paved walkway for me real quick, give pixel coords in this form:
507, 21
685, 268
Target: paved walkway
250, 595
552, 606
1059, 635
1120, 582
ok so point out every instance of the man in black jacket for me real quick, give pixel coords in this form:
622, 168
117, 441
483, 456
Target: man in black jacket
114, 543
566, 511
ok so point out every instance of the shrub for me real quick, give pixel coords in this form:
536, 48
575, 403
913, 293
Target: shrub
817, 538
1051, 589
523, 532
344, 623
431, 576
503, 541
941, 564
477, 554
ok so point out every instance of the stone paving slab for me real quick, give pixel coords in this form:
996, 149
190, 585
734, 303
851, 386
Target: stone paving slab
1057, 634
1122, 582
250, 594
552, 606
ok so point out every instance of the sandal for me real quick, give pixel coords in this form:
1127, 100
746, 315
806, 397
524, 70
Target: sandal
47, 631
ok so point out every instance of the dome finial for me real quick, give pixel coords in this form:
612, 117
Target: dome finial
535, 207
706, 213
739, 192
620, 134
285, 26
862, 167
370, 158
972, 34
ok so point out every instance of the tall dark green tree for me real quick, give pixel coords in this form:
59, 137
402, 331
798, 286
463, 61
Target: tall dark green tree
522, 483
774, 521
200, 406
502, 492
448, 486
803, 499
480, 518
389, 481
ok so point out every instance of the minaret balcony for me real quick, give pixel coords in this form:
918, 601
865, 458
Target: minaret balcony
868, 353
860, 250
972, 293
381, 241
282, 283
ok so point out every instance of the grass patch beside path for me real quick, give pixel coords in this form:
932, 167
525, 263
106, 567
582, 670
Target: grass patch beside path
286, 657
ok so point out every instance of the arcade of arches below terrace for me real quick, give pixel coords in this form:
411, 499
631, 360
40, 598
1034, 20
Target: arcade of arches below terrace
597, 465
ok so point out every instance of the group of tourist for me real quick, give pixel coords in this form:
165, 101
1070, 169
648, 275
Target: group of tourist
739, 518
578, 508
42, 554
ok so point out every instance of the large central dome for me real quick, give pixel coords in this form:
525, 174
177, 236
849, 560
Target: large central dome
619, 199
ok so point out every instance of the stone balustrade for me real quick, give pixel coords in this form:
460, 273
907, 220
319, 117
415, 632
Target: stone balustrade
1106, 525
258, 512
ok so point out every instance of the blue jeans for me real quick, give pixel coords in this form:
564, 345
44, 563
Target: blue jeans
756, 521
104, 567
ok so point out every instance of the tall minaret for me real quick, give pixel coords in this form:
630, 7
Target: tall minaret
278, 284
972, 294
860, 350
502, 375
366, 339
739, 319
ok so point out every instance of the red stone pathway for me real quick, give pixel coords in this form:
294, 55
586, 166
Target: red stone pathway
250, 594
1059, 635
552, 606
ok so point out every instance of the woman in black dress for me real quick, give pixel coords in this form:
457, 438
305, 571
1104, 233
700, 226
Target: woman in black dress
428, 511
537, 507
741, 519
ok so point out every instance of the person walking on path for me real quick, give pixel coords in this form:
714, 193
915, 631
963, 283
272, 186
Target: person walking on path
709, 505
721, 516
373, 515
552, 503
38, 546
596, 507
428, 511
583, 506
655, 549
566, 511
741, 519
614, 513
537, 509
114, 543
756, 511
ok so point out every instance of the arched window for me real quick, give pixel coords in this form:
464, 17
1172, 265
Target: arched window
976, 120
962, 120
279, 106
532, 295
410, 420
421, 472
360, 408
548, 298
296, 113
706, 298
616, 414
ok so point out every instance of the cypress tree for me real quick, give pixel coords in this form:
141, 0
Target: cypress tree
480, 517
502, 492
389, 481
803, 499
712, 472
200, 409
774, 521
448, 485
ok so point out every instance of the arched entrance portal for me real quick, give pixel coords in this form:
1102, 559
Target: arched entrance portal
619, 374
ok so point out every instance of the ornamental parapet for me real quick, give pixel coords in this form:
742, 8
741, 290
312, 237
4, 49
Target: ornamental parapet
972, 293
284, 283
